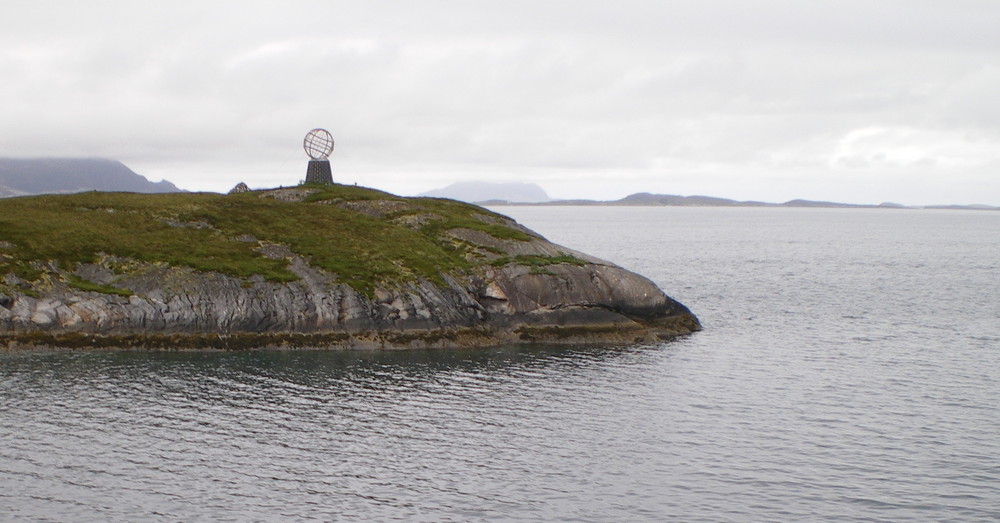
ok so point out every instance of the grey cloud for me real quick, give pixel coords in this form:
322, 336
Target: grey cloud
538, 91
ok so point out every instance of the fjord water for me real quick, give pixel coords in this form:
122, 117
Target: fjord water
848, 370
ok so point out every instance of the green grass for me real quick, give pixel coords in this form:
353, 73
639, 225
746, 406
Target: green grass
538, 261
84, 285
199, 230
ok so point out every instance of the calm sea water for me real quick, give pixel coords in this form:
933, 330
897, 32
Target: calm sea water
848, 370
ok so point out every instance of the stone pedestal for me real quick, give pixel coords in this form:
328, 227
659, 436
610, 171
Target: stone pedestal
319, 172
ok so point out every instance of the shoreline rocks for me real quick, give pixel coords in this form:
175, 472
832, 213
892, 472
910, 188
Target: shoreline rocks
176, 307
517, 288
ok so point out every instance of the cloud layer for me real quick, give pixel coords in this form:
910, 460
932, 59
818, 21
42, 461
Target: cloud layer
773, 100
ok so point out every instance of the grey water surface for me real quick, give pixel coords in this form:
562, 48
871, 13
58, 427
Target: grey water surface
848, 371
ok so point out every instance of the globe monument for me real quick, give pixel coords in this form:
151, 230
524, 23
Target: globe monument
318, 144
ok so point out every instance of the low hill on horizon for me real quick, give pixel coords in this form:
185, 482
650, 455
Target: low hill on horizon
31, 176
508, 193
499, 192
650, 199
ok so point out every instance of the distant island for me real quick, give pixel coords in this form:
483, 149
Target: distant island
648, 199
313, 266
29, 176
499, 194
475, 192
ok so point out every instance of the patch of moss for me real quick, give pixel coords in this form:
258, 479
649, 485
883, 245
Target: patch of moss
28, 291
86, 285
556, 332
538, 261
236, 341
25, 271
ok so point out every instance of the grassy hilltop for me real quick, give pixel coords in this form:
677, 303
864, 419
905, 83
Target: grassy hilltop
361, 235
131, 270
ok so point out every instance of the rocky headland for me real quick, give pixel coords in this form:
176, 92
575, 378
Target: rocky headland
325, 266
28, 176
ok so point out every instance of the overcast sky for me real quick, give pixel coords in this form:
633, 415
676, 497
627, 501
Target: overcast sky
853, 101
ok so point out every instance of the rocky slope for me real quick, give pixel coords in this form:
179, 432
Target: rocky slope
324, 267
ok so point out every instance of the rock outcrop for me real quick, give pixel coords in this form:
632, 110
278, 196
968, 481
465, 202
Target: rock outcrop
522, 290
239, 188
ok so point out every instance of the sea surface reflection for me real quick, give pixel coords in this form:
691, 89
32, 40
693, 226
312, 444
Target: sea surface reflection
366, 434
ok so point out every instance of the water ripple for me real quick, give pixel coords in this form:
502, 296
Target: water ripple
848, 376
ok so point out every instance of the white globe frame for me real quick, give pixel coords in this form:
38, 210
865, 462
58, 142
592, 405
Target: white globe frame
318, 144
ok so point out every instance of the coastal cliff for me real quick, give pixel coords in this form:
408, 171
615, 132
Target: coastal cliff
324, 266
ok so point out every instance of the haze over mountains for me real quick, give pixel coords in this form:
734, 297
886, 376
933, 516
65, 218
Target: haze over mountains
27, 176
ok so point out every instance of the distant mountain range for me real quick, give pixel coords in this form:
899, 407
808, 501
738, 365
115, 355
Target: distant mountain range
648, 199
27, 176
645, 198
487, 193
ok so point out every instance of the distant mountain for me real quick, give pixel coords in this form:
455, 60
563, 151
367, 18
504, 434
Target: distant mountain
814, 203
965, 207
27, 176
492, 192
673, 199
649, 199
645, 198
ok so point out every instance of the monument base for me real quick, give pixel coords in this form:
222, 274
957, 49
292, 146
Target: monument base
319, 172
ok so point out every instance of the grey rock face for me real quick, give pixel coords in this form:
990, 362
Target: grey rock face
502, 300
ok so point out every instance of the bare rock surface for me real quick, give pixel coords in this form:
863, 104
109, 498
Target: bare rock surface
619, 305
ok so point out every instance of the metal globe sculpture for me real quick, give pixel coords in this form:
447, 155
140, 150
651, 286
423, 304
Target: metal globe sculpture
318, 144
